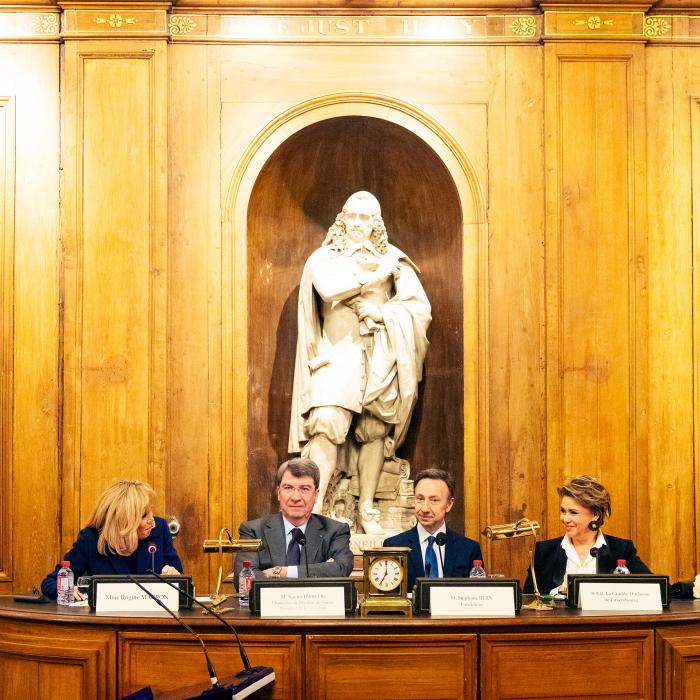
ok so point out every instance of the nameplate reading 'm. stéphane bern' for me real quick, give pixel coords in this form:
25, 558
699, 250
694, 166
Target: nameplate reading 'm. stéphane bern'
471, 601
356, 28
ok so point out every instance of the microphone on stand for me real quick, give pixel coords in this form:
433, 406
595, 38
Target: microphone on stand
302, 543
595, 553
440, 540
252, 678
152, 549
210, 666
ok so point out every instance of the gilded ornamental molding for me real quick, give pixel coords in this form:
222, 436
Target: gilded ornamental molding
356, 28
117, 22
555, 20
33, 26
594, 25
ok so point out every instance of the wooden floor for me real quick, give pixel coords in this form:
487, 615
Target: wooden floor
561, 654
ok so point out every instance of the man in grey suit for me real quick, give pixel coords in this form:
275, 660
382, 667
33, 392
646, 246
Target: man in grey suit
296, 539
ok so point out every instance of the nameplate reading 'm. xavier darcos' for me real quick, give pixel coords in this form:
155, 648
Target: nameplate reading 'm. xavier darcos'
302, 602
624, 596
468, 601
128, 597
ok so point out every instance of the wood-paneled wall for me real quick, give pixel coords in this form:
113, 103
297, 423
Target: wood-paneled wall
138, 277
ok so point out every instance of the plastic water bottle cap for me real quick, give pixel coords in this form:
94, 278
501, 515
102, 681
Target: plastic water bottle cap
65, 563
247, 563
621, 562
477, 562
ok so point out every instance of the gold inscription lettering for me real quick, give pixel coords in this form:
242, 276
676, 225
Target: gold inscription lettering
410, 27
466, 25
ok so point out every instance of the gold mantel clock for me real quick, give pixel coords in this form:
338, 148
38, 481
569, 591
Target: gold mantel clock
385, 581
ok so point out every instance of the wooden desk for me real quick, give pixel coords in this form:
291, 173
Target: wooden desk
561, 654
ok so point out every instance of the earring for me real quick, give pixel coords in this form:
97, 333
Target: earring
593, 525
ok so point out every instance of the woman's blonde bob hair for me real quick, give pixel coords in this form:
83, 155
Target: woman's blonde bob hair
587, 491
118, 514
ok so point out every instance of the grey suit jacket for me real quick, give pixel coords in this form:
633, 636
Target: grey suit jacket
325, 539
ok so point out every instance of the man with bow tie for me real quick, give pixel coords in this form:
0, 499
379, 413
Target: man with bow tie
362, 319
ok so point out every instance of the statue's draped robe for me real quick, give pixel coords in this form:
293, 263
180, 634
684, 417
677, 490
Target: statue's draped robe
333, 371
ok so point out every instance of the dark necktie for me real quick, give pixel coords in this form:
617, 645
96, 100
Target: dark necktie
294, 550
431, 565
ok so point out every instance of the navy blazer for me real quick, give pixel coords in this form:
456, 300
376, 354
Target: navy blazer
460, 553
85, 560
550, 562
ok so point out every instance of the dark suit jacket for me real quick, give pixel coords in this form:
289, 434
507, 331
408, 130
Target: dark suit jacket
460, 553
550, 562
85, 560
325, 539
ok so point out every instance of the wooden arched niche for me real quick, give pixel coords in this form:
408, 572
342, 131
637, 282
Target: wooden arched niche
296, 196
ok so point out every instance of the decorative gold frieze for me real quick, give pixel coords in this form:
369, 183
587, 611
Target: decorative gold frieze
117, 22
595, 22
523, 26
29, 26
182, 24
45, 24
353, 28
601, 25
656, 26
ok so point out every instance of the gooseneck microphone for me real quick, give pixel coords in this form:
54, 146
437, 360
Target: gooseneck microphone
301, 539
253, 677
595, 553
440, 540
152, 549
210, 666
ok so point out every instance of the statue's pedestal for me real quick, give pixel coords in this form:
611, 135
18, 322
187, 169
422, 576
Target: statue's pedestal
360, 542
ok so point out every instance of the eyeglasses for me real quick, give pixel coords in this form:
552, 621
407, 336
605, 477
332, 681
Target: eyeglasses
304, 491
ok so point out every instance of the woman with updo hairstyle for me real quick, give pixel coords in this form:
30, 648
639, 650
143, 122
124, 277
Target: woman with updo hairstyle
584, 549
117, 537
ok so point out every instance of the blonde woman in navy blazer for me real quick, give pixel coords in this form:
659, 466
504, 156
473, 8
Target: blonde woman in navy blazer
117, 537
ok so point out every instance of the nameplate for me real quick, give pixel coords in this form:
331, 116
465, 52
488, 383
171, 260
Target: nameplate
128, 597
621, 597
327, 601
467, 597
471, 601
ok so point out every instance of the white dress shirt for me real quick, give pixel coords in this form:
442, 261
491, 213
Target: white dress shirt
573, 561
423, 535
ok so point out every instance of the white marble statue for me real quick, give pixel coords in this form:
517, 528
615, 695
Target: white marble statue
363, 317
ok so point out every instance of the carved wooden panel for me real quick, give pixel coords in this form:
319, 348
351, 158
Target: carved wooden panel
43, 664
596, 262
513, 479
677, 663
401, 667
531, 665
7, 261
29, 309
194, 325
674, 165
114, 271
149, 659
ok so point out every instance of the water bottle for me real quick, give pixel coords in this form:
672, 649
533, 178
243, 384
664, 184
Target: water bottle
64, 584
621, 568
477, 570
245, 582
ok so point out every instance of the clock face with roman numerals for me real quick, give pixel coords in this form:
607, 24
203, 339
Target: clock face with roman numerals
385, 574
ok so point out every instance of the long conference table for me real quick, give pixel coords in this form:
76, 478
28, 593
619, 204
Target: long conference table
46, 652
